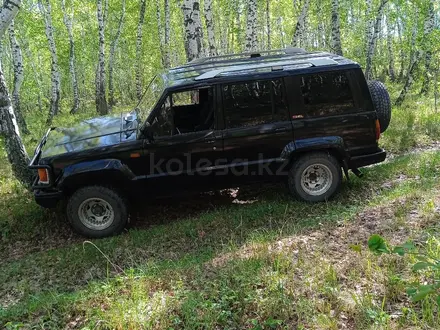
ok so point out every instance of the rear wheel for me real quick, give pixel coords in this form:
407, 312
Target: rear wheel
97, 212
315, 177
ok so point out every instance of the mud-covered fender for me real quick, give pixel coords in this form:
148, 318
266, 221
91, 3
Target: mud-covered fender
332, 143
93, 172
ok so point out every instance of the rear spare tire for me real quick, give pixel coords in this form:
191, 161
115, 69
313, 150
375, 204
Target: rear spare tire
381, 103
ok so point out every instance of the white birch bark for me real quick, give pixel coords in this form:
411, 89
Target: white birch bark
402, 53
298, 35
268, 26
336, 29
101, 101
212, 51
390, 37
251, 26
193, 29
369, 29
139, 37
54, 108
373, 40
167, 12
15, 150
68, 22
111, 59
17, 62
427, 46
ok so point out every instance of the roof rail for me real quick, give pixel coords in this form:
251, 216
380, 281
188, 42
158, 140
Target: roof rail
276, 66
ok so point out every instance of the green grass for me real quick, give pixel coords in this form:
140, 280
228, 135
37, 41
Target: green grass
208, 263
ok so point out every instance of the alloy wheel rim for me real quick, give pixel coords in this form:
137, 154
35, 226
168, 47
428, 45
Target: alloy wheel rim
316, 179
96, 214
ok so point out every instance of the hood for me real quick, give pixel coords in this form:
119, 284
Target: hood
90, 134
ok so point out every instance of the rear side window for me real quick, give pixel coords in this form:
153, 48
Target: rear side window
327, 94
254, 103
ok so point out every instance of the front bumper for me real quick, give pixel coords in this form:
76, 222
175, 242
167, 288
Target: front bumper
48, 200
365, 160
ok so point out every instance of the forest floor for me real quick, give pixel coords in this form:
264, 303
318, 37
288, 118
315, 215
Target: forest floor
242, 258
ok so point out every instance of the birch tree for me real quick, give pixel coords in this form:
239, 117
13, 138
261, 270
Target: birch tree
251, 26
210, 28
336, 29
163, 28
67, 19
373, 40
139, 36
111, 59
193, 29
54, 108
268, 26
390, 34
9, 130
298, 35
17, 62
100, 97
427, 45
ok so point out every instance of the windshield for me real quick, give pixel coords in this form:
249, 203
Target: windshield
150, 98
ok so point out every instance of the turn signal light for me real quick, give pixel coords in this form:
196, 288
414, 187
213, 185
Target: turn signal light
377, 130
43, 175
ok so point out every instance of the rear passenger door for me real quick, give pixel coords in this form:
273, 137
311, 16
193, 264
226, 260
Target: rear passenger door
257, 125
330, 104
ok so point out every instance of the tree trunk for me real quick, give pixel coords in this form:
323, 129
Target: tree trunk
17, 62
402, 54
67, 19
167, 57
55, 73
336, 29
427, 46
101, 101
298, 35
390, 37
37, 74
139, 64
251, 26
111, 59
409, 79
164, 32
9, 130
193, 29
373, 40
210, 28
268, 26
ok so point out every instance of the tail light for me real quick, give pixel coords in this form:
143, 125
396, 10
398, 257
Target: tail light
377, 130
43, 175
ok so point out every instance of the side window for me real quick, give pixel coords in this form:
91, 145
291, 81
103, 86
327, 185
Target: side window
254, 103
326, 94
185, 112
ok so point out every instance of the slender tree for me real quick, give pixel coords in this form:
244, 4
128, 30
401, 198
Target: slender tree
167, 34
373, 40
390, 37
139, 35
427, 45
101, 100
251, 26
298, 35
336, 29
17, 62
193, 29
268, 27
9, 130
67, 19
54, 108
210, 28
111, 59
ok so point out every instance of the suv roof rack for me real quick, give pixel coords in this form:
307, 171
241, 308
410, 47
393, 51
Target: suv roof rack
276, 66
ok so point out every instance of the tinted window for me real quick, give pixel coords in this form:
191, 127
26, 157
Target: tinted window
326, 94
254, 103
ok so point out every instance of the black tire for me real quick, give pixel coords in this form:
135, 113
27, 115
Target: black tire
322, 161
112, 204
381, 103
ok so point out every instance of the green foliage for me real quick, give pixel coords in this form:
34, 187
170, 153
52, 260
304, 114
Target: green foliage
426, 262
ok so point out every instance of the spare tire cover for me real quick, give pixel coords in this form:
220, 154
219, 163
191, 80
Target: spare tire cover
381, 103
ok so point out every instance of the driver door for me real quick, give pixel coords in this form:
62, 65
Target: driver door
185, 145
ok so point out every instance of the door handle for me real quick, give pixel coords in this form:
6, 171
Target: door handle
281, 129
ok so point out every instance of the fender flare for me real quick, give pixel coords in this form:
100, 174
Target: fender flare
74, 175
335, 143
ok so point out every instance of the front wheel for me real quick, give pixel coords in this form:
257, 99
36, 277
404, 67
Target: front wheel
315, 177
97, 212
